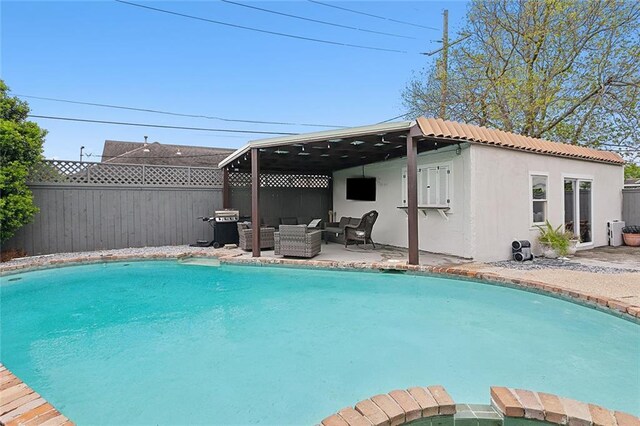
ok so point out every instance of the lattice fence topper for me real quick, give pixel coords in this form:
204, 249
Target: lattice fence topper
76, 172
276, 180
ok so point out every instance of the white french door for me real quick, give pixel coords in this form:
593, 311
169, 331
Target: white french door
578, 211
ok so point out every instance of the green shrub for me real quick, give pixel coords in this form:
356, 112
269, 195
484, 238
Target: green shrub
20, 149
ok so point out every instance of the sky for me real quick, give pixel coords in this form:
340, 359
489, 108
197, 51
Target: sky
114, 53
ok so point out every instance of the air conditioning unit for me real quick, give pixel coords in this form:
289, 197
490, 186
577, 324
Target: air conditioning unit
614, 231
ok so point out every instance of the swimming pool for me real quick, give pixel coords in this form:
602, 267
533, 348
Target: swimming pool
162, 342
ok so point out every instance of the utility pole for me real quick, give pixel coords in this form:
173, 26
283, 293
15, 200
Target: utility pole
445, 60
443, 73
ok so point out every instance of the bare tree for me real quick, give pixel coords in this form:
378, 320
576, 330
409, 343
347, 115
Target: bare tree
556, 69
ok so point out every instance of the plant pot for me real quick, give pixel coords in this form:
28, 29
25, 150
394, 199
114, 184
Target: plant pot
549, 252
573, 247
632, 240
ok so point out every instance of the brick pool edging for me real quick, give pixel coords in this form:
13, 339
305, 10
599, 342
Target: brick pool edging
21, 405
432, 406
610, 305
525, 404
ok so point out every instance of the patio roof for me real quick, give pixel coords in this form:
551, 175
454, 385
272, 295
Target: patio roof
326, 151
323, 152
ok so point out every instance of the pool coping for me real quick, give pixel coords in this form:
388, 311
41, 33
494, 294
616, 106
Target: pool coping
21, 405
602, 303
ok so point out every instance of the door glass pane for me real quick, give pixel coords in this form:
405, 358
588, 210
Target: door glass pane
570, 206
585, 212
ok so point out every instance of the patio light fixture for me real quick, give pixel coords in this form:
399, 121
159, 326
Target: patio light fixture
458, 150
356, 143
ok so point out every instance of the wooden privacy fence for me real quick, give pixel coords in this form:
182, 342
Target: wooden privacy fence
94, 206
631, 206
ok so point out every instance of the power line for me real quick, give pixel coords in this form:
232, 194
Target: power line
371, 15
177, 114
393, 118
316, 20
85, 120
227, 24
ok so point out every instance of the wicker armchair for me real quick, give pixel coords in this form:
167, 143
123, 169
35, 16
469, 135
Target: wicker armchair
361, 233
245, 236
297, 241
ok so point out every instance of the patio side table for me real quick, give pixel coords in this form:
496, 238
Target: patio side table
331, 230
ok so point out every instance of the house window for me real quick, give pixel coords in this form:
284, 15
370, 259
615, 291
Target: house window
539, 198
434, 185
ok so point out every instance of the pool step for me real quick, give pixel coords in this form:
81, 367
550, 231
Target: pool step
199, 261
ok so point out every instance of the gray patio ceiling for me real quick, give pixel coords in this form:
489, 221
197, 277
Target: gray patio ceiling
327, 151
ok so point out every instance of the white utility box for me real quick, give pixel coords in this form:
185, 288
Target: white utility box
614, 231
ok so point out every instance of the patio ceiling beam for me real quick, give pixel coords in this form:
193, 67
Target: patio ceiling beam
412, 194
255, 201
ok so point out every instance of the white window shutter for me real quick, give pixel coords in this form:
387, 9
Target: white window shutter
444, 174
432, 186
404, 187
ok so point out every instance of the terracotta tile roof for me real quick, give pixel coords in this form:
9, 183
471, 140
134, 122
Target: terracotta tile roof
439, 128
162, 154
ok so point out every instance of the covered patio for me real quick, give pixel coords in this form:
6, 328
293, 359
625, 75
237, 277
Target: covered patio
320, 154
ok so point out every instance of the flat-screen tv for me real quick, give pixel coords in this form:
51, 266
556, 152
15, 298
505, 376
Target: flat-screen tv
361, 189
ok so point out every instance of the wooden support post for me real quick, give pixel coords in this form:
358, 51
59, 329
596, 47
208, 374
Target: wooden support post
226, 190
255, 201
412, 198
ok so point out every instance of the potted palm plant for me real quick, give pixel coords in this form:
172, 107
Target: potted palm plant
555, 241
631, 235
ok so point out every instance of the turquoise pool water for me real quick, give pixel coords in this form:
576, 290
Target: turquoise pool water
164, 342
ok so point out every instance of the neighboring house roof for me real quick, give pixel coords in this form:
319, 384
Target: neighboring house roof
632, 182
439, 128
122, 152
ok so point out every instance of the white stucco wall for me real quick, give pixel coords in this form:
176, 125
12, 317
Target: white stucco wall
452, 236
501, 197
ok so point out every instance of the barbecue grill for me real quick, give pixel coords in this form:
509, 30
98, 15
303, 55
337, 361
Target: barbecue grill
225, 228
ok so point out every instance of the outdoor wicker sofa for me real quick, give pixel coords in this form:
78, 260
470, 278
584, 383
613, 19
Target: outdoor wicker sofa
245, 236
297, 241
